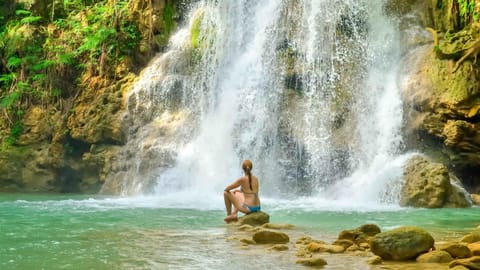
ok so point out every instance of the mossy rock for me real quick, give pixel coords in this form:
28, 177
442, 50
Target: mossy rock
254, 219
401, 244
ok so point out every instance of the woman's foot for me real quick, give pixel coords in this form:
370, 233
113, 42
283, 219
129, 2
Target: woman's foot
231, 218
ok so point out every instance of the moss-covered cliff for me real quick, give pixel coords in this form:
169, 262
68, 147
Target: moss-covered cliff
442, 95
65, 67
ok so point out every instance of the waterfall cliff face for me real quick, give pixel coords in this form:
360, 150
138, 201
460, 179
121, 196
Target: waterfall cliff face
305, 89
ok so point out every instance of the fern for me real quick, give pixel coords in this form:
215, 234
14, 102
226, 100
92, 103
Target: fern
7, 78
13, 62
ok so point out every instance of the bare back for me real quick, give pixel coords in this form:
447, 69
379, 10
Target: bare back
251, 195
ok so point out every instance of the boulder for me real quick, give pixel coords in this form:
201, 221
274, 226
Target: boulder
435, 256
270, 237
472, 263
427, 184
457, 250
400, 244
254, 219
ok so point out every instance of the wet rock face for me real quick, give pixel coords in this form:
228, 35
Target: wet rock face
427, 184
442, 112
400, 244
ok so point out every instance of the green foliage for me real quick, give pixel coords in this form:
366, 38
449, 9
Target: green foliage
13, 62
10, 99
15, 131
467, 11
43, 59
195, 31
168, 17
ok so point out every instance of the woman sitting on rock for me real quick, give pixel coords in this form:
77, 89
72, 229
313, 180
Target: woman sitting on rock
246, 198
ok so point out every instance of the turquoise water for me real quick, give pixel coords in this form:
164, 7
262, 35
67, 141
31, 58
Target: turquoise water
85, 232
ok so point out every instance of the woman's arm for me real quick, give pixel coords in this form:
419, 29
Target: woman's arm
233, 185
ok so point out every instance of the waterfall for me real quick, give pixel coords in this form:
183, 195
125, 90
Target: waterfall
306, 89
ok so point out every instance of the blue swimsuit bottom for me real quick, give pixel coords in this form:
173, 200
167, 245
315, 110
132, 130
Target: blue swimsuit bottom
252, 209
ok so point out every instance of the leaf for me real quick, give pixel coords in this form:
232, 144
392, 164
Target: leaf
14, 62
30, 19
7, 78
21, 12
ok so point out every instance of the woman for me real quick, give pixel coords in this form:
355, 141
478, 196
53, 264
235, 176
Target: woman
246, 199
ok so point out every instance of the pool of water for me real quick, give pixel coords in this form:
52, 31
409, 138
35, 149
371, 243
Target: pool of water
95, 232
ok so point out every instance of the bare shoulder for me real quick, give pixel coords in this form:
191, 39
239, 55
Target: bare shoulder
242, 179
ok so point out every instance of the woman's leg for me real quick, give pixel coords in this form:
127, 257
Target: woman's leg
237, 199
228, 202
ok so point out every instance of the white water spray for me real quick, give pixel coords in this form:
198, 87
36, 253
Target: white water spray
306, 89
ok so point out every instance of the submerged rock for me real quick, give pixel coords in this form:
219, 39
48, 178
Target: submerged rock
314, 261
278, 226
279, 247
403, 243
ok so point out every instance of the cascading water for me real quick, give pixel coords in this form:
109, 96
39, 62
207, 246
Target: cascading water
305, 89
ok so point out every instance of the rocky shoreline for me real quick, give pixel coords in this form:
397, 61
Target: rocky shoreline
405, 247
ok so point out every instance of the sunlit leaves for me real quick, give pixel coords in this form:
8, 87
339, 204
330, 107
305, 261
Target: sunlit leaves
13, 62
